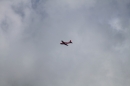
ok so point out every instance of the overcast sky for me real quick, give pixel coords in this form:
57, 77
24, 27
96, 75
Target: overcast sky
31, 32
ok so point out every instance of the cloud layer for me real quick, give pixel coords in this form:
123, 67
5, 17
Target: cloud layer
30, 35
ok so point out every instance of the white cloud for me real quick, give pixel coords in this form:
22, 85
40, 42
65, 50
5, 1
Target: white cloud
116, 24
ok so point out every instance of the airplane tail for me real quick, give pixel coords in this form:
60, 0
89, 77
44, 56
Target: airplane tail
70, 41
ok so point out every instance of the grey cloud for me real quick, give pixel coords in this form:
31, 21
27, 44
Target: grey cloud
30, 50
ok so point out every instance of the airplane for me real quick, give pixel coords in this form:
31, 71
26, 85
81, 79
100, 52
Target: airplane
65, 43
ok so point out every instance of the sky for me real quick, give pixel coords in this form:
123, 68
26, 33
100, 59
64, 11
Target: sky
31, 32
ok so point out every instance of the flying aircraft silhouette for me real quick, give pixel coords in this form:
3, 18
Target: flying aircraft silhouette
65, 43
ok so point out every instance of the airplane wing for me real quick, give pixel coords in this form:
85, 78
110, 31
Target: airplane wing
66, 44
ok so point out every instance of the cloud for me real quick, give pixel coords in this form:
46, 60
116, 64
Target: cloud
30, 50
